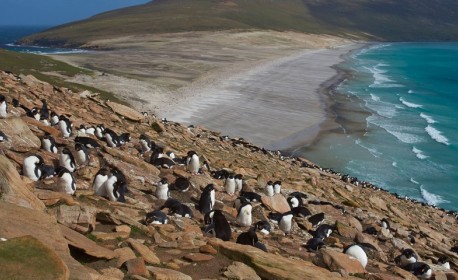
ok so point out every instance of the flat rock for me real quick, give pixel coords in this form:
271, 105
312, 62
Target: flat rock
338, 262
105, 236
276, 203
22, 257
81, 215
148, 255
124, 254
137, 267
88, 246
198, 257
125, 111
159, 273
20, 137
240, 271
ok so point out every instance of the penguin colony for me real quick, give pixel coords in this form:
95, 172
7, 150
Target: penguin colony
111, 183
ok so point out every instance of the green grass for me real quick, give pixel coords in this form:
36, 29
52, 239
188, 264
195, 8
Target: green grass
43, 67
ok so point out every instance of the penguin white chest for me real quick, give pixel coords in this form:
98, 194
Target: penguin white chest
229, 186
358, 253
162, 191
3, 112
64, 129
193, 164
66, 183
286, 223
98, 183
30, 169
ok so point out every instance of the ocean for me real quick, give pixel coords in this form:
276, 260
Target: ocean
399, 123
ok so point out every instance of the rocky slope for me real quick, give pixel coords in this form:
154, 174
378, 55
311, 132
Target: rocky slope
86, 236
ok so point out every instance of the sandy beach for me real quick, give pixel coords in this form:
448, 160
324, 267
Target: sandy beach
263, 86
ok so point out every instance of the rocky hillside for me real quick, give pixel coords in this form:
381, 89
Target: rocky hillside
47, 233
402, 20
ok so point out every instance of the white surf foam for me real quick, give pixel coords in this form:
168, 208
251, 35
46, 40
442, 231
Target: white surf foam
410, 104
437, 135
373, 151
375, 97
430, 198
394, 164
428, 118
419, 153
413, 181
410, 91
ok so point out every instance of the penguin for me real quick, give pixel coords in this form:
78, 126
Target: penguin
47, 171
146, 143
49, 144
244, 217
124, 138
112, 138
314, 244
81, 130
54, 118
277, 187
181, 184
207, 199
238, 182
301, 212
162, 189
263, 227
108, 185
67, 160
229, 185
82, 154
35, 113
3, 137
444, 262
99, 180
90, 130
31, 167
66, 181
295, 199
156, 217
65, 126
87, 142
100, 131
158, 159
370, 230
44, 112
407, 256
286, 222
316, 219
120, 188
356, 251
169, 203
270, 189
323, 231
275, 217
385, 224
3, 107
251, 196
219, 226
192, 162
181, 210
419, 269
247, 238
239, 201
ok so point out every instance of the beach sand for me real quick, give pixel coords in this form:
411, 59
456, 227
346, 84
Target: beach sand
264, 86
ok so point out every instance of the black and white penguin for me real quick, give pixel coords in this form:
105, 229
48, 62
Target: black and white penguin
277, 187
87, 142
385, 224
181, 210
156, 217
157, 159
82, 154
47, 172
112, 138
286, 222
66, 182
181, 184
90, 130
207, 199
247, 238
419, 269
218, 225
146, 143
54, 118
67, 160
356, 251
31, 167
81, 131
275, 217
65, 126
229, 185
3, 137
192, 162
49, 144
323, 231
407, 256
263, 227
35, 113
99, 180
301, 212
314, 244
100, 131
244, 216
169, 203
162, 189
444, 262
238, 182
316, 219
44, 112
124, 138
119, 191
3, 107
295, 199
270, 189
109, 184
251, 196
239, 201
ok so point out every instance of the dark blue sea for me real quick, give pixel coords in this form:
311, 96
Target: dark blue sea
9, 35
408, 141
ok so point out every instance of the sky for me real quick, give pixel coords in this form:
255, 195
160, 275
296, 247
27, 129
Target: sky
55, 12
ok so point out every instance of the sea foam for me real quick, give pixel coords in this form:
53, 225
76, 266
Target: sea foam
410, 104
428, 118
430, 198
437, 135
419, 153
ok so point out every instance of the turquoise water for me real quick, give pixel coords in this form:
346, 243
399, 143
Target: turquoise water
409, 142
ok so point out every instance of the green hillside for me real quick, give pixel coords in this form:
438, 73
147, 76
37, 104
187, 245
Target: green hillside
391, 20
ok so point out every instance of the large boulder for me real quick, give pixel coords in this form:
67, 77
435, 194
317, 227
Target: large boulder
338, 262
125, 111
20, 137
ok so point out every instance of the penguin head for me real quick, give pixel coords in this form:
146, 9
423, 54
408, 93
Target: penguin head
2, 98
103, 171
192, 154
385, 224
208, 218
443, 260
79, 147
209, 188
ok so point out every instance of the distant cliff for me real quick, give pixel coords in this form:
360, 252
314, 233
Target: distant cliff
402, 20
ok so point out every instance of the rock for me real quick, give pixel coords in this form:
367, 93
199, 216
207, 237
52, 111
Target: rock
24, 257
158, 127
125, 111
50, 198
167, 274
80, 215
106, 236
207, 249
112, 273
378, 203
345, 230
276, 203
148, 255
198, 257
271, 266
240, 271
137, 267
123, 255
338, 262
123, 228
21, 138
88, 246
13, 188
